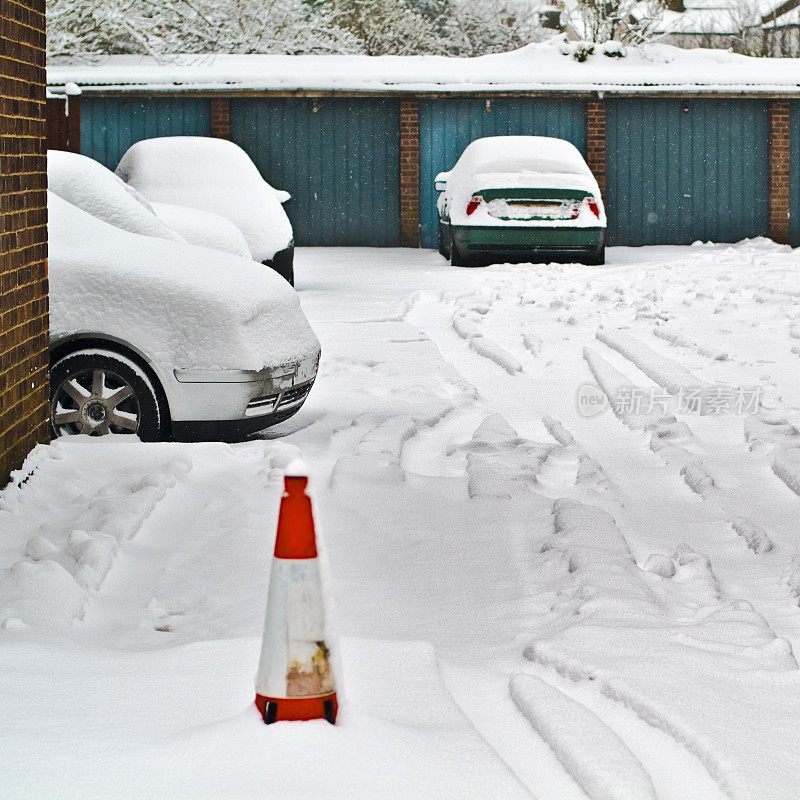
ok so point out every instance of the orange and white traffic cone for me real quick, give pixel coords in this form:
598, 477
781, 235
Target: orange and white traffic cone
294, 679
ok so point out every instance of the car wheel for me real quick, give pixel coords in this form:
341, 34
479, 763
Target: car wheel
98, 392
444, 251
457, 258
598, 259
283, 263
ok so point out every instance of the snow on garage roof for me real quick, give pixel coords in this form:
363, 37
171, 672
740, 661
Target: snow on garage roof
546, 66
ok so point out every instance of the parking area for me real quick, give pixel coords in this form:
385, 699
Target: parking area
497, 557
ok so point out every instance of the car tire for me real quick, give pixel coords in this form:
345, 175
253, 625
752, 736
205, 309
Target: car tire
444, 251
97, 392
283, 263
598, 259
458, 259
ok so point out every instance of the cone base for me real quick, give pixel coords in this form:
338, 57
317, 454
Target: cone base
275, 709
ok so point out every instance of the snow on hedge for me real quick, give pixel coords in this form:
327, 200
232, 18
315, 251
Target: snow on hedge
212, 175
179, 304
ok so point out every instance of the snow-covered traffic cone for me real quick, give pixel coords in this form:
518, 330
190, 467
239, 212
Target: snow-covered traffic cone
294, 679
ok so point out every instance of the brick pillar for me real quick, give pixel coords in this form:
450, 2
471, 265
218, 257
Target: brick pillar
779, 171
596, 141
74, 123
24, 359
409, 173
220, 118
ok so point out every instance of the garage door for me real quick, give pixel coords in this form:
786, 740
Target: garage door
794, 179
338, 158
110, 125
682, 170
448, 126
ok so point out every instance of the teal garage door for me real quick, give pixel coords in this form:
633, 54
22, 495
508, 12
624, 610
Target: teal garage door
682, 170
110, 125
448, 126
794, 176
339, 159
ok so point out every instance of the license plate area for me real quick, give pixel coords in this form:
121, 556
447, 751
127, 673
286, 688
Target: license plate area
533, 209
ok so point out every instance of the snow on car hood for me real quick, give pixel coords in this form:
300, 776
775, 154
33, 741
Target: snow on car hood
204, 228
89, 185
181, 305
213, 175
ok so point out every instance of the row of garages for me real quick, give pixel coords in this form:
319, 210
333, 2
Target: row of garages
677, 169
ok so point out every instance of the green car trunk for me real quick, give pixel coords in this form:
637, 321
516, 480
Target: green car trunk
510, 243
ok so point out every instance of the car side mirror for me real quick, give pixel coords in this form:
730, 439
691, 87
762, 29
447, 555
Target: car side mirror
440, 181
283, 197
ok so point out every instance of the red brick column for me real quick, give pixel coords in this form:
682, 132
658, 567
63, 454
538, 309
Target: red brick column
220, 118
24, 403
779, 171
74, 123
596, 141
409, 173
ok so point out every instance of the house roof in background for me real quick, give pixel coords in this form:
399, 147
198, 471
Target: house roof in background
546, 66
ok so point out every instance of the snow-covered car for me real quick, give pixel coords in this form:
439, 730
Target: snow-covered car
89, 185
215, 175
203, 227
146, 336
520, 198
95, 189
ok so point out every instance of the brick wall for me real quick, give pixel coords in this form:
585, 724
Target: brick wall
409, 173
220, 118
23, 233
596, 141
779, 123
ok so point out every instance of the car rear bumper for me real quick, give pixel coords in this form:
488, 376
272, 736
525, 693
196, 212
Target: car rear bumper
523, 241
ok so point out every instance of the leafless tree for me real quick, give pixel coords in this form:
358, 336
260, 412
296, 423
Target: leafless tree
627, 21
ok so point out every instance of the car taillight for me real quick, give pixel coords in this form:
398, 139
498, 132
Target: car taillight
594, 206
473, 204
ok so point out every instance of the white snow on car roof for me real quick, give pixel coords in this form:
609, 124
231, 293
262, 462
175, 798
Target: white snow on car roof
541, 154
543, 66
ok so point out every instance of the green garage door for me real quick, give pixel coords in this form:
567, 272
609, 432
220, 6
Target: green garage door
794, 176
682, 170
339, 159
110, 125
448, 126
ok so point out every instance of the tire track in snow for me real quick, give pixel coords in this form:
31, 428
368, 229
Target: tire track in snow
466, 323
674, 443
670, 510
590, 751
664, 371
679, 340
615, 620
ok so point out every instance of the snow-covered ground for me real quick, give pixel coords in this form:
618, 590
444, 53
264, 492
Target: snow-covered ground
525, 597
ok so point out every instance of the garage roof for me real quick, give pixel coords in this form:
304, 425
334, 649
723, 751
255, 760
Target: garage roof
546, 66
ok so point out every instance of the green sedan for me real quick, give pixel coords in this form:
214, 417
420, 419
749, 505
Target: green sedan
520, 199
